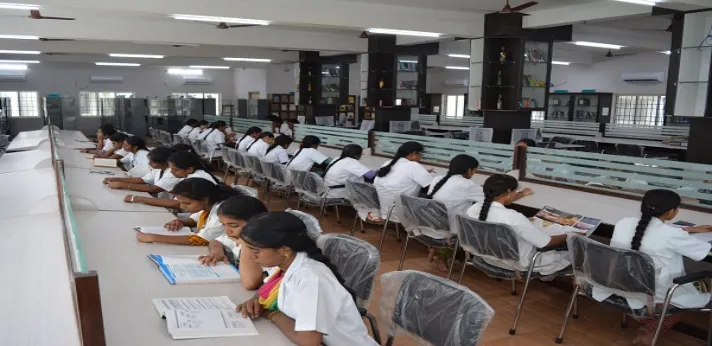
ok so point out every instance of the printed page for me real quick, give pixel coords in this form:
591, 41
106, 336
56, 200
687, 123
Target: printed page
556, 222
162, 230
165, 305
191, 324
105, 163
188, 269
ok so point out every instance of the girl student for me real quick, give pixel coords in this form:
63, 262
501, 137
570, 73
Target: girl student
308, 155
216, 133
666, 245
190, 124
234, 213
203, 199
500, 190
306, 298
259, 147
248, 138
282, 127
117, 151
202, 126
402, 175
137, 152
277, 152
103, 144
160, 179
345, 167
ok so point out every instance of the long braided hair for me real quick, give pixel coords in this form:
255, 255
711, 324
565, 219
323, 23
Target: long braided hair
251, 131
655, 204
459, 165
353, 151
404, 150
282, 141
495, 186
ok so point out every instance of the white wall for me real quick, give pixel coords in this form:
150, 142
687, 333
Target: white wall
247, 80
280, 79
435, 81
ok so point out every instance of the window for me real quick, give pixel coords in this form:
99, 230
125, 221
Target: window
646, 110
99, 103
22, 103
204, 96
454, 106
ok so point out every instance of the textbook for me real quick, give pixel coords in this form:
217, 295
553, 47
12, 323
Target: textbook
105, 163
555, 222
160, 230
180, 270
203, 317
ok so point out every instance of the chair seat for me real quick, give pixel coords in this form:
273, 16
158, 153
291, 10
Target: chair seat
620, 303
313, 200
433, 242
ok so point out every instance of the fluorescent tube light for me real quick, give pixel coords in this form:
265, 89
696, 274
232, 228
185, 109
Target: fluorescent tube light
597, 45
10, 67
640, 2
403, 32
565, 63
409, 61
20, 37
140, 56
226, 20
666, 52
131, 64
463, 56
11, 6
248, 59
19, 61
185, 72
457, 67
207, 67
32, 52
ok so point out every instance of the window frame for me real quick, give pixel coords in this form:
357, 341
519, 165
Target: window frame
459, 107
99, 100
20, 106
639, 110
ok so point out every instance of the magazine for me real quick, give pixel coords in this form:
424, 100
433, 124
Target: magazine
555, 222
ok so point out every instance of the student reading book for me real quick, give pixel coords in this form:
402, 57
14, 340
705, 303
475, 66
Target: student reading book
103, 144
188, 270
277, 152
203, 317
137, 152
158, 180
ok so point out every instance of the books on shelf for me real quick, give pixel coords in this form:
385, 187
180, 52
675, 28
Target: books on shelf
203, 317
188, 270
554, 222
160, 230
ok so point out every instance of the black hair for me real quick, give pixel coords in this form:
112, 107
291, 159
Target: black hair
495, 186
280, 141
655, 204
528, 141
251, 131
404, 150
136, 141
118, 137
459, 165
160, 154
218, 124
107, 129
185, 160
183, 147
242, 207
353, 151
278, 120
191, 122
262, 135
307, 142
203, 123
272, 230
199, 188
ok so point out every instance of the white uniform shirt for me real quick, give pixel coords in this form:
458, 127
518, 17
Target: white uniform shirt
132, 160
278, 154
216, 137
244, 143
306, 159
185, 130
161, 178
213, 228
405, 178
258, 149
204, 135
285, 130
457, 193
194, 133
340, 172
107, 145
121, 152
310, 295
666, 244
202, 174
529, 238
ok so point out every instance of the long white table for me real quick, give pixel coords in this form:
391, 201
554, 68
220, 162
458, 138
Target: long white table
25, 161
26, 193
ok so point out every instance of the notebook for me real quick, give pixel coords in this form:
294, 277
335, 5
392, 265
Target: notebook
180, 270
105, 162
160, 230
203, 317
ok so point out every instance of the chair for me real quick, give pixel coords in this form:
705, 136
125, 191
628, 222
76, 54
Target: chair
177, 139
364, 198
426, 221
432, 309
630, 150
590, 146
255, 167
276, 175
562, 139
314, 230
313, 192
485, 240
238, 158
246, 190
357, 261
627, 273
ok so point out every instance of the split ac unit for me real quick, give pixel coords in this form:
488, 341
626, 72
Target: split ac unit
13, 76
188, 80
106, 79
456, 82
657, 77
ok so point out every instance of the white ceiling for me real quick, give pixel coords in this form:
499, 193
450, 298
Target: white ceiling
483, 6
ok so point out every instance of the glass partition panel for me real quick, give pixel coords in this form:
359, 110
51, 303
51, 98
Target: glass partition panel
70, 226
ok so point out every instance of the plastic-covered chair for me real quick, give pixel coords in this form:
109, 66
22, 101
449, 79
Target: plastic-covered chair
626, 273
313, 192
246, 190
364, 198
277, 176
426, 221
431, 309
357, 261
633, 150
313, 226
254, 166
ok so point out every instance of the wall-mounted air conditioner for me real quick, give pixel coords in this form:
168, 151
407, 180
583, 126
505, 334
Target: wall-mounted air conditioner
189, 80
13, 76
456, 82
106, 79
657, 77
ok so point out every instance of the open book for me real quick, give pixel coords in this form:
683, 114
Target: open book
705, 237
555, 222
203, 317
105, 163
188, 270
160, 230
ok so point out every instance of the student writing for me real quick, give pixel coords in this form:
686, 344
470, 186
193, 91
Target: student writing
259, 147
160, 179
277, 152
345, 167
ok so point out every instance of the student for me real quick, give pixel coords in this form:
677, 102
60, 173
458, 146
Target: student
283, 127
202, 125
344, 168
160, 179
234, 213
216, 133
526, 142
666, 245
259, 147
248, 138
306, 298
190, 124
103, 144
183, 147
203, 199
277, 152
137, 153
308, 155
117, 151
403, 175
500, 190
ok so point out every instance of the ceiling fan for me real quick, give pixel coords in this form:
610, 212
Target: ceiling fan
35, 14
44, 39
511, 10
611, 55
668, 29
223, 25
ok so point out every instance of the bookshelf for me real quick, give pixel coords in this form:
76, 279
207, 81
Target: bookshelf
282, 106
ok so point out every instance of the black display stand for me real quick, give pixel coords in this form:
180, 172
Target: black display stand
698, 145
582, 107
503, 122
309, 88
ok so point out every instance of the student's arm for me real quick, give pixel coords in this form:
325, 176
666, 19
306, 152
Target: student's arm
216, 253
156, 202
139, 187
522, 193
166, 239
250, 272
533, 235
687, 245
129, 180
421, 175
286, 325
107, 154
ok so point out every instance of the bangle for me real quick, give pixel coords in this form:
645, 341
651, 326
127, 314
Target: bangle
132, 199
269, 316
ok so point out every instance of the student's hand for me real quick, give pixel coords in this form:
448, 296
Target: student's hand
106, 181
213, 257
174, 225
526, 192
116, 185
699, 229
431, 170
129, 198
144, 237
250, 308
84, 151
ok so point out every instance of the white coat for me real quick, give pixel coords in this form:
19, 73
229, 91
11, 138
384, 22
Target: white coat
342, 171
405, 178
213, 228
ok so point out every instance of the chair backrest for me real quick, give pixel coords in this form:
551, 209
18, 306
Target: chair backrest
433, 309
238, 158
363, 196
308, 183
421, 213
626, 272
591, 146
356, 260
253, 164
246, 190
313, 226
487, 239
629, 150
275, 172
226, 155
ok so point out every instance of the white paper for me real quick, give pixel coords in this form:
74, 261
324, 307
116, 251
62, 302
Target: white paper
188, 269
705, 237
192, 324
105, 163
165, 305
163, 231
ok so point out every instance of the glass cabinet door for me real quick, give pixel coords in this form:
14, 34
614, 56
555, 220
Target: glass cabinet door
534, 75
586, 108
559, 105
407, 81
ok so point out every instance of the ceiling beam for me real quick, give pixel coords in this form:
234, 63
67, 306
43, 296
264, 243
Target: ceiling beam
584, 12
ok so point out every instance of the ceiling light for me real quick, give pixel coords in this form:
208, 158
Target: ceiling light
598, 45
20, 37
403, 32
409, 61
457, 67
248, 59
10, 67
131, 64
463, 56
207, 67
640, 2
226, 20
666, 52
141, 56
19, 61
185, 72
11, 6
33, 52
565, 63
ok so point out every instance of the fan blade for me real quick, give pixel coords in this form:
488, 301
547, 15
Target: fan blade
241, 25
524, 6
57, 18
35, 14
